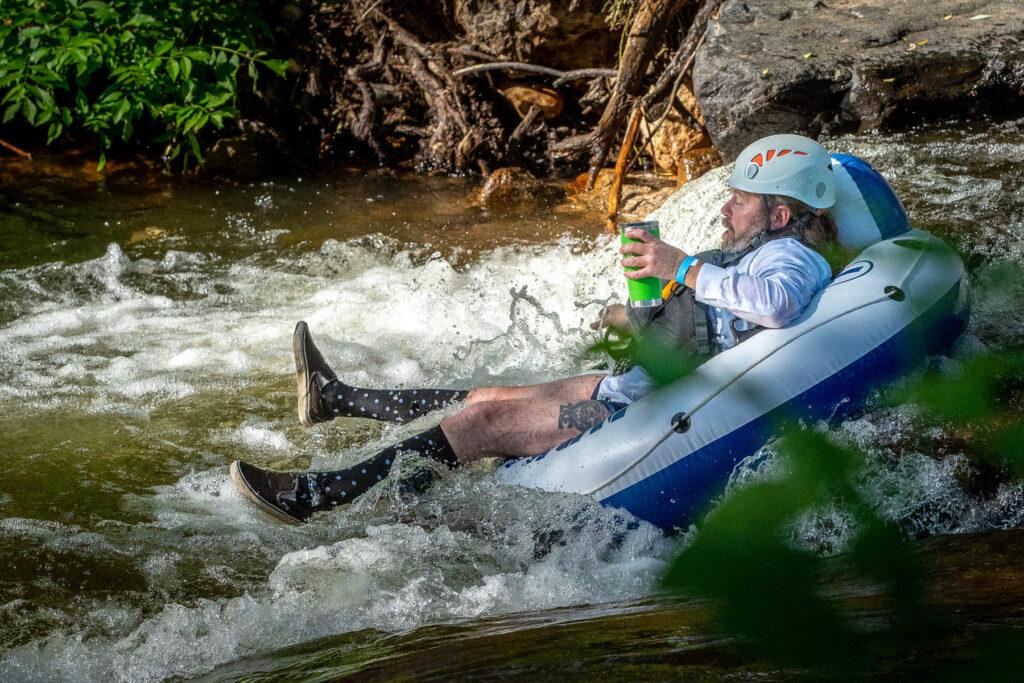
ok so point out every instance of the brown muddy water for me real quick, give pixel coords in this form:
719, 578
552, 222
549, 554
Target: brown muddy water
145, 329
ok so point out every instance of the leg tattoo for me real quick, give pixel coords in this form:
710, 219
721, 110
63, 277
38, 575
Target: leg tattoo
581, 416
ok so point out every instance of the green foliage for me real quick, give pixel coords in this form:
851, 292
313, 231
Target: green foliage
773, 593
112, 68
783, 599
985, 396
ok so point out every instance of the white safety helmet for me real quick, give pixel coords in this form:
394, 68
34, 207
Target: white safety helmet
789, 165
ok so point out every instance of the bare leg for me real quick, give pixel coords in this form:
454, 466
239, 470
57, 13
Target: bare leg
323, 397
568, 390
546, 416
533, 419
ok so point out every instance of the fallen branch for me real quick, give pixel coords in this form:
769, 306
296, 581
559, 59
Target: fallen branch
525, 124
675, 89
641, 45
580, 74
562, 76
615, 193
470, 52
683, 58
17, 150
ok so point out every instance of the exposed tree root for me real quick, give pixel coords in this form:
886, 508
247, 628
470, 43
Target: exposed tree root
401, 85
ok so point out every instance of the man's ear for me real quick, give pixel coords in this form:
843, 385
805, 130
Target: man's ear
781, 216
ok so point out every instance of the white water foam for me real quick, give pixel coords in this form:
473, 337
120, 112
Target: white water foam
546, 550
126, 337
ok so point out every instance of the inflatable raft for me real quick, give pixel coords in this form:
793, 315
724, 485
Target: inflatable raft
665, 457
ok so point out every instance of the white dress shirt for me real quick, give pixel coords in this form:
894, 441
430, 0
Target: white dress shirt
770, 286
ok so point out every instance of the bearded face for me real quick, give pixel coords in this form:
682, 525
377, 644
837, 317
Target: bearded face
744, 217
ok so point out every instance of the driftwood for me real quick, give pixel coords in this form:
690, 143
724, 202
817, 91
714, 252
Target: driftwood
17, 150
643, 42
670, 104
621, 168
682, 58
561, 76
417, 94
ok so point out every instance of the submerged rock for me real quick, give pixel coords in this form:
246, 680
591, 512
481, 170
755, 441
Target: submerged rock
510, 187
642, 193
771, 66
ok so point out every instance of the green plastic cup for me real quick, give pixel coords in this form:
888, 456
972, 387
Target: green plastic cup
645, 292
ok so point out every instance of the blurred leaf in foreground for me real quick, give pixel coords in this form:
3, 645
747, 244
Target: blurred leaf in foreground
773, 594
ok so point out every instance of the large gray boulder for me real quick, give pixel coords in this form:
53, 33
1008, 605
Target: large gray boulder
813, 66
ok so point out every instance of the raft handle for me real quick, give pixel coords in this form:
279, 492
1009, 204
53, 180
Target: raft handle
681, 423
894, 293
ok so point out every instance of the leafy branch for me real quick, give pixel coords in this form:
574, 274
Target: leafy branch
121, 70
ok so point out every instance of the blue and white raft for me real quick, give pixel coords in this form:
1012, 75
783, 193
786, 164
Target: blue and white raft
665, 457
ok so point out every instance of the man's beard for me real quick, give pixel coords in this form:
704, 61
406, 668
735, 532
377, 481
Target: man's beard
729, 240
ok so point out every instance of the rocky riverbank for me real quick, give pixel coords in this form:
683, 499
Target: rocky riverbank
829, 66
469, 87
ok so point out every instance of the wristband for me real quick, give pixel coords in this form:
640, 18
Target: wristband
683, 268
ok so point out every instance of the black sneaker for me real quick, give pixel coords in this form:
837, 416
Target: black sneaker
282, 495
312, 374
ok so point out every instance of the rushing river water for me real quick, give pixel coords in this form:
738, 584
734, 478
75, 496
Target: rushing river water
145, 343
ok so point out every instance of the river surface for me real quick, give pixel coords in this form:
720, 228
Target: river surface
145, 329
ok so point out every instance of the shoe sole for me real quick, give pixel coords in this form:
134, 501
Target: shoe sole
243, 487
299, 351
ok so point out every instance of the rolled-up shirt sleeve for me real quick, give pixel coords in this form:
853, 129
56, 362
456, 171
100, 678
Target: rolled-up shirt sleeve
772, 289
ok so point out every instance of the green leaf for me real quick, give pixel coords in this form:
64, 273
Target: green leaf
54, 132
186, 66
194, 144
278, 66
102, 162
163, 46
122, 110
173, 69
96, 6
14, 93
28, 109
10, 112
141, 20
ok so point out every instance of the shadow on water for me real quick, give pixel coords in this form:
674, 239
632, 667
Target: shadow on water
54, 214
974, 591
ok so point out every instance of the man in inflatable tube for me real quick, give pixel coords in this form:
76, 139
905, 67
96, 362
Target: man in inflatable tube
764, 276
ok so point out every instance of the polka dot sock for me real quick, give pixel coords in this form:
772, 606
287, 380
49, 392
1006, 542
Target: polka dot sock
323, 490
387, 405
